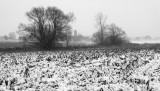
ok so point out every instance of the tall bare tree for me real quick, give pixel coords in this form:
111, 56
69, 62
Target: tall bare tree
101, 26
46, 27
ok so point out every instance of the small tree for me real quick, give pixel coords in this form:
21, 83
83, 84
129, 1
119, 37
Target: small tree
113, 35
116, 35
101, 25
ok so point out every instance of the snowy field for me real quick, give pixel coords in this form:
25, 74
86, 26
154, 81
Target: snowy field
81, 70
147, 41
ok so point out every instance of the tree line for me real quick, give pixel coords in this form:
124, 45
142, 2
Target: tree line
10, 36
48, 26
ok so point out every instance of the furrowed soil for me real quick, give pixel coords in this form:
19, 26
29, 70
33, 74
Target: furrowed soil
100, 69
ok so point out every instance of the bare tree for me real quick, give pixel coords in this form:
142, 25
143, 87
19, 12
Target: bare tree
108, 34
101, 26
47, 25
116, 35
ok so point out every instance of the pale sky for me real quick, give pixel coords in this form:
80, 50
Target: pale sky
135, 17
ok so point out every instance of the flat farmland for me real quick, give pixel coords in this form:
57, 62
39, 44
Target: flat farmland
11, 44
100, 69
14, 44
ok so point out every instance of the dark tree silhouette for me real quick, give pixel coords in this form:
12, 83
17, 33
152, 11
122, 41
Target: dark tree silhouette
46, 27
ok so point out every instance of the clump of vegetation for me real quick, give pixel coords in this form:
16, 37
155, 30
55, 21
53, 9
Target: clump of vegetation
108, 34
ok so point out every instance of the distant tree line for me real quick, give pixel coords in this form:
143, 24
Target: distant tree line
108, 34
147, 37
10, 36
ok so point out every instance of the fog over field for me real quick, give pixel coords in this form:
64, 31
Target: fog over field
146, 41
135, 17
80, 45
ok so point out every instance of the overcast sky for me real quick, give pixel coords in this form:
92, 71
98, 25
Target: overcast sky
135, 17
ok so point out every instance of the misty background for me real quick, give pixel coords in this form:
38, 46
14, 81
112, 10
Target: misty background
140, 19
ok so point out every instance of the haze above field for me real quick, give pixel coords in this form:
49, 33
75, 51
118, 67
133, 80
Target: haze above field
136, 17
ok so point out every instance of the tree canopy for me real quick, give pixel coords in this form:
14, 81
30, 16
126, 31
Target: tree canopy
108, 34
46, 26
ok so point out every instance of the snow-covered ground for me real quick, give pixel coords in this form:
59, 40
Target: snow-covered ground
89, 70
145, 41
